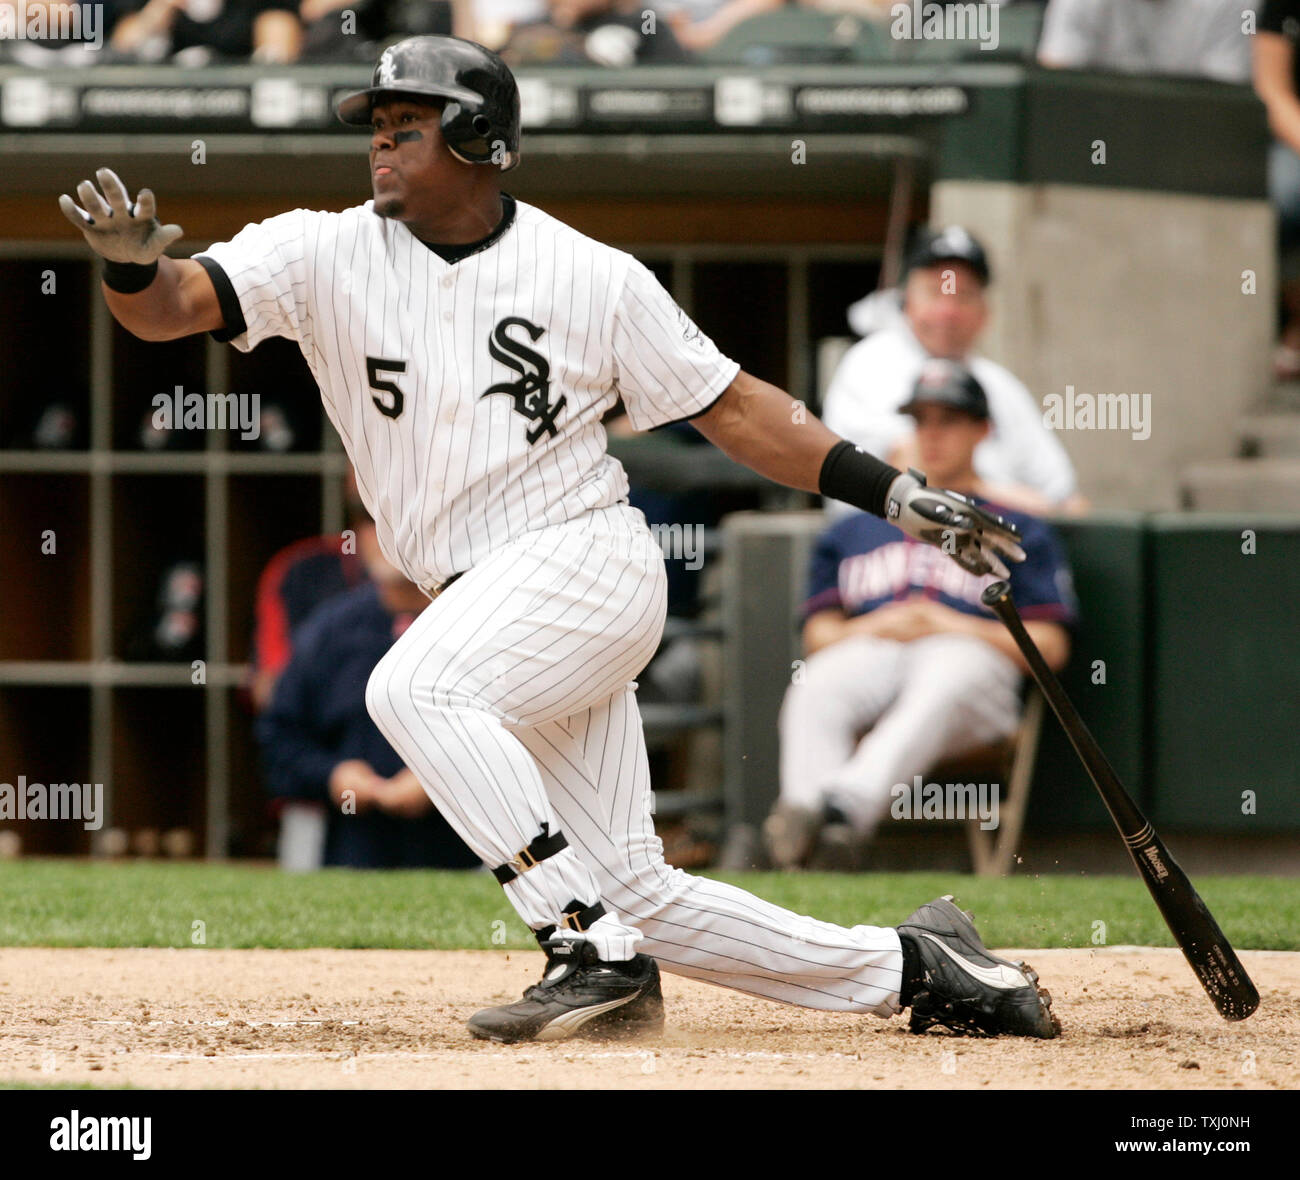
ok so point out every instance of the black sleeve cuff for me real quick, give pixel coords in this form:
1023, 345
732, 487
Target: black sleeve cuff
677, 421
227, 300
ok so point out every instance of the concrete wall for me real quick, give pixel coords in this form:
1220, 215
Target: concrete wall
1113, 291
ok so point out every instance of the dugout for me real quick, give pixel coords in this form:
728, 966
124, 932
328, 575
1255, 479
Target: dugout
766, 199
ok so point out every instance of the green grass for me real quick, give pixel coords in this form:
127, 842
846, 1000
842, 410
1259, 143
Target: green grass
83, 903
9, 1085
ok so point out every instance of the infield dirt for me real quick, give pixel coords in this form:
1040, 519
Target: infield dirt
1133, 1017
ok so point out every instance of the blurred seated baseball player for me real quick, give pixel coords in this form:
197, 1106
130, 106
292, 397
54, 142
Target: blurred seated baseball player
944, 311
899, 645
297, 580
320, 745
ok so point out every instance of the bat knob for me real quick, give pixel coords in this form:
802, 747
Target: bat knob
995, 592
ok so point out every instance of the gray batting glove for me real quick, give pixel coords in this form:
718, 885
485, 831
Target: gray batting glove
116, 228
978, 541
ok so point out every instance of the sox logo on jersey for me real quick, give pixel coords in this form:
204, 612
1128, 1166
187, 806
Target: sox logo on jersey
531, 392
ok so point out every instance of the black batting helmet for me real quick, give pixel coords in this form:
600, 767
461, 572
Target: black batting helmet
480, 120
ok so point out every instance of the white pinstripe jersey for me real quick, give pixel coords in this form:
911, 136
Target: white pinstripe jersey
469, 395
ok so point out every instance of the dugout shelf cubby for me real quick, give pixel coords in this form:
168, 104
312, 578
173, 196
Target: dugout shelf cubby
43, 305
748, 306
45, 738
141, 371
157, 782
45, 546
293, 419
158, 523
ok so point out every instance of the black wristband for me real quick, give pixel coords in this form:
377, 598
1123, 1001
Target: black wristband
857, 478
128, 278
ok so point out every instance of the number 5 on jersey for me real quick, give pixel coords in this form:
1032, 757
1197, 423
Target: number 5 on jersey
374, 367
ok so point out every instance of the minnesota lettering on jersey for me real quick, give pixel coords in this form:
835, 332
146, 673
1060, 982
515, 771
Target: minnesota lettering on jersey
531, 391
884, 571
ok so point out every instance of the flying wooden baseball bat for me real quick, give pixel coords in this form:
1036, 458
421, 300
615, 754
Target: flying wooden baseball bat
1197, 933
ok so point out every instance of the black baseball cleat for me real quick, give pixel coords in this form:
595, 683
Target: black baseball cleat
579, 993
965, 988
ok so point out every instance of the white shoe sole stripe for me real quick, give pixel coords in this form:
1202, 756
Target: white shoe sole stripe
568, 1023
1005, 977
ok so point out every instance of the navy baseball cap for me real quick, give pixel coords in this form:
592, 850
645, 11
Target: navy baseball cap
947, 383
952, 244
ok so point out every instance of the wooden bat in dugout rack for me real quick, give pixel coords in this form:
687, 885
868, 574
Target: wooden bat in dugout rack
1210, 954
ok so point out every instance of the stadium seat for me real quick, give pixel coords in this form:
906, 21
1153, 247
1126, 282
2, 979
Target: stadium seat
1012, 762
801, 35
1018, 29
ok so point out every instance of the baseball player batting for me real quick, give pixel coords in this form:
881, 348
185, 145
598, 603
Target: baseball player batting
467, 346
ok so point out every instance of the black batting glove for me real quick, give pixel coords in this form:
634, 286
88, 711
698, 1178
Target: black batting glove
117, 228
978, 541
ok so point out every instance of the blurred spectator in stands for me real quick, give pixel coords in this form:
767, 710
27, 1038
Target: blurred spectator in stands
1277, 82
490, 22
194, 32
877, 10
1193, 38
700, 24
944, 310
296, 581
353, 30
68, 33
320, 745
899, 646
614, 33
341, 30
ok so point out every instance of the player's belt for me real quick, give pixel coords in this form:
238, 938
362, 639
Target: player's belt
433, 589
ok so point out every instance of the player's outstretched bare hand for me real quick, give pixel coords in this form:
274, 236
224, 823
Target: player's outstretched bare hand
116, 227
976, 540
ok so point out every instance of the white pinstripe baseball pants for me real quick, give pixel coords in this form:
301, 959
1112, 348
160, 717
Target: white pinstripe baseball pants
511, 697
